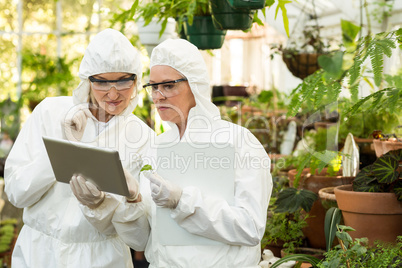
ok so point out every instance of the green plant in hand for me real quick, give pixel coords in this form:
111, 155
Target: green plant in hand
146, 167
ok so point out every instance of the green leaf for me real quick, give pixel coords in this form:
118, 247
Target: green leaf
297, 257
332, 64
398, 190
397, 154
362, 177
385, 169
345, 228
290, 200
332, 219
349, 33
146, 167
281, 5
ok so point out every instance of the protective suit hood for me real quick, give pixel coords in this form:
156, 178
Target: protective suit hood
109, 51
187, 59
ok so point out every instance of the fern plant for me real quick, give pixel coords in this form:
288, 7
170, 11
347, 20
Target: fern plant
347, 68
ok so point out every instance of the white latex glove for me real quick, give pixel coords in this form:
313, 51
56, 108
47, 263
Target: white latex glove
86, 192
163, 192
133, 187
75, 122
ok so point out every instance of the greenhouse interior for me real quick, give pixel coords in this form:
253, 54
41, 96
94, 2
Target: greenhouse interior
316, 84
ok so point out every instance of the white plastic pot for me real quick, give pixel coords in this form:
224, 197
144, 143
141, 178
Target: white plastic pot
149, 34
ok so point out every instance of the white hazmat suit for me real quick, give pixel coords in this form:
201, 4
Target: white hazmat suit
55, 232
240, 227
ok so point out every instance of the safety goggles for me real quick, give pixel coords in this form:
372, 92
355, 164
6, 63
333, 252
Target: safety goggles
169, 88
106, 85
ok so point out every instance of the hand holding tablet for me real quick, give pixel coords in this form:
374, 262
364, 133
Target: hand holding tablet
100, 166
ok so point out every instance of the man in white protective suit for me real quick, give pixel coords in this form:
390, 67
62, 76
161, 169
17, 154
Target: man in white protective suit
55, 232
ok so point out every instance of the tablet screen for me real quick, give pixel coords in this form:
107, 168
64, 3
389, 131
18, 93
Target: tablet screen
101, 166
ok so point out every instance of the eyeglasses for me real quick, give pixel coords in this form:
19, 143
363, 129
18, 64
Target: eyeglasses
169, 88
106, 85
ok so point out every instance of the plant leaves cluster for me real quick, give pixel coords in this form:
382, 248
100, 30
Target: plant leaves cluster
347, 68
183, 10
384, 175
7, 234
286, 227
356, 253
353, 253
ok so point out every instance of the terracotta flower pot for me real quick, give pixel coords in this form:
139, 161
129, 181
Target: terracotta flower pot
328, 198
318, 253
377, 216
314, 232
383, 147
276, 248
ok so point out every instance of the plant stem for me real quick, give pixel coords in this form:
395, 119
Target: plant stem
344, 249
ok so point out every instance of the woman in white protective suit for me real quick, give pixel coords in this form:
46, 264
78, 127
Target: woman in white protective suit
179, 86
56, 233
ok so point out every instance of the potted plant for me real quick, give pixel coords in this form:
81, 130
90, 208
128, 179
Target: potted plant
372, 203
240, 14
314, 168
149, 34
352, 253
184, 11
227, 17
283, 230
194, 18
301, 55
384, 143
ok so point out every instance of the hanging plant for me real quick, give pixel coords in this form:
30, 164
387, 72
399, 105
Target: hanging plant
346, 69
203, 34
302, 60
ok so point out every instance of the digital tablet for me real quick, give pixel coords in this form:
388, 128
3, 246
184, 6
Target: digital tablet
101, 166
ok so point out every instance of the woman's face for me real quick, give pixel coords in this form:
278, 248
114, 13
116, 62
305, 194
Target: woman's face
173, 109
113, 101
